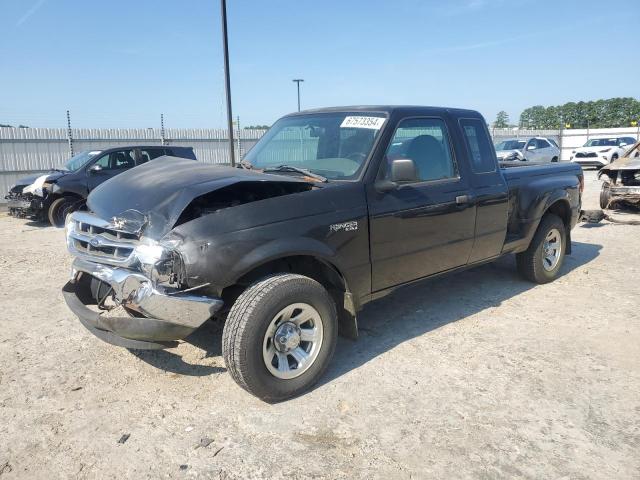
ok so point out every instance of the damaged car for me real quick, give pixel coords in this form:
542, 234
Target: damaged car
621, 181
51, 196
331, 209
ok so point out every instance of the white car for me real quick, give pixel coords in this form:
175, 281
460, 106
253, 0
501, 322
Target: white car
538, 149
598, 152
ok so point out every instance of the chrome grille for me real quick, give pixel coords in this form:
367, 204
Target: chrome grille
95, 239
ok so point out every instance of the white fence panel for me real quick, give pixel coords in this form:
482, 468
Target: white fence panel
24, 151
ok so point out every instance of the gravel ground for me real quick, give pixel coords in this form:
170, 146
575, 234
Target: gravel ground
480, 375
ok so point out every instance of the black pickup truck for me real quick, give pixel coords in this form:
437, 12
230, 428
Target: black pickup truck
331, 209
52, 195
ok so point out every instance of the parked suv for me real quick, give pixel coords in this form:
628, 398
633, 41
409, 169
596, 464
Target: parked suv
538, 149
599, 152
63, 190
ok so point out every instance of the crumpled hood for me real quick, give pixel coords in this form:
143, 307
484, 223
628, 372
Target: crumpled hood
28, 180
625, 163
159, 191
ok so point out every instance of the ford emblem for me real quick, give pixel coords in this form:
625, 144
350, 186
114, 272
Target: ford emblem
94, 242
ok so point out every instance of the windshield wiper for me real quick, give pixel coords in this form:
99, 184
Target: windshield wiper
289, 168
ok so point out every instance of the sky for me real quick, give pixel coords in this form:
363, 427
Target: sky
122, 63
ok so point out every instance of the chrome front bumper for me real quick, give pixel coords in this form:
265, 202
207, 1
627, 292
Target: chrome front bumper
166, 315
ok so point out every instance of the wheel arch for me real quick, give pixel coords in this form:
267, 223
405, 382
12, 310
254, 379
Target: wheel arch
312, 265
562, 209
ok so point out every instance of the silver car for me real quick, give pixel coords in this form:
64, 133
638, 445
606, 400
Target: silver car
537, 149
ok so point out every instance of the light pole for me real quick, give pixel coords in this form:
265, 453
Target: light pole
298, 80
227, 82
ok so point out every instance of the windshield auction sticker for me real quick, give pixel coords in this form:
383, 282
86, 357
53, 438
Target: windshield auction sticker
374, 123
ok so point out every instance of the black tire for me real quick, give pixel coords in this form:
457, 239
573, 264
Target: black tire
531, 262
554, 159
246, 326
59, 209
605, 196
614, 157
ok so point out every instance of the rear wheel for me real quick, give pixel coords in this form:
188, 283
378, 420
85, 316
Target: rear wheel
542, 261
554, 159
59, 209
280, 336
614, 157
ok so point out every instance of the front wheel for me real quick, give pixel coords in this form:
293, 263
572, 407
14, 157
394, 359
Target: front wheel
614, 157
542, 261
280, 336
59, 209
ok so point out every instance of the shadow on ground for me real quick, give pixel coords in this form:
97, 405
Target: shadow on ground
409, 312
207, 338
418, 309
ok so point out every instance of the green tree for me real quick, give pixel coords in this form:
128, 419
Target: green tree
609, 113
502, 120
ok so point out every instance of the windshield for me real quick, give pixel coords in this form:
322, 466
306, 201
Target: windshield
601, 142
79, 160
334, 145
510, 145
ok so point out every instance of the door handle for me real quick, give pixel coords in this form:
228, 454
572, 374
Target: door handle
462, 199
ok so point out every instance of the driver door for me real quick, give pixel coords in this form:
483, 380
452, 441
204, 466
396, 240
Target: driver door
529, 152
110, 165
425, 227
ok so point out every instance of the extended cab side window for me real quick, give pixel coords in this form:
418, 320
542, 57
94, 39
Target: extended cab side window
477, 139
426, 142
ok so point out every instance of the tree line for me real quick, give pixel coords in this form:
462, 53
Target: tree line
610, 113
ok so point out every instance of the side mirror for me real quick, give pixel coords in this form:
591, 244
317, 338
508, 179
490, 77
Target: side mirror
95, 168
403, 170
531, 147
623, 145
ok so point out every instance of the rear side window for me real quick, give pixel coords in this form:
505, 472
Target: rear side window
477, 139
542, 143
149, 154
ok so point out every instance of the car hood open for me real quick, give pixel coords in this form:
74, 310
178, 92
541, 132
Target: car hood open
150, 198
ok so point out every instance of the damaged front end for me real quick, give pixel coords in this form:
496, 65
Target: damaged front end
24, 205
147, 261
621, 185
116, 266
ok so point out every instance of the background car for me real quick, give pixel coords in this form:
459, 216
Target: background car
598, 152
54, 194
537, 149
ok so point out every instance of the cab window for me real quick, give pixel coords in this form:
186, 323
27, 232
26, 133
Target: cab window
426, 142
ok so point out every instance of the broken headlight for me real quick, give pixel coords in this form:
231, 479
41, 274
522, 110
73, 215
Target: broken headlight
159, 261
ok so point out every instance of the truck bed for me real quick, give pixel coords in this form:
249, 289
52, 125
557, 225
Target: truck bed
532, 187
